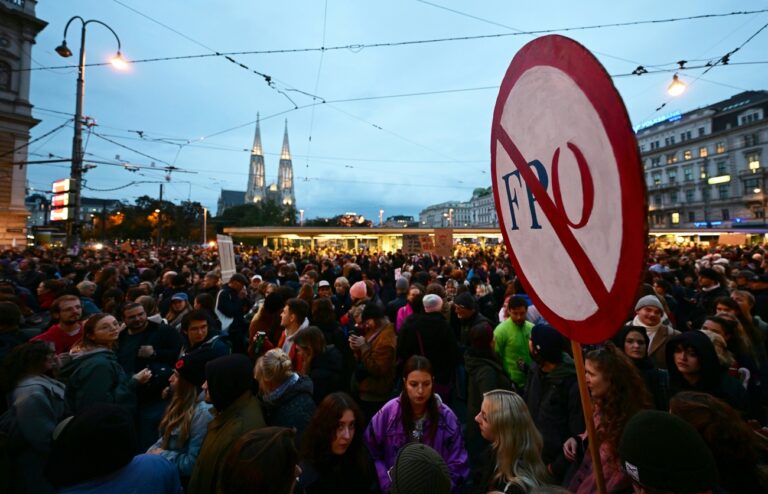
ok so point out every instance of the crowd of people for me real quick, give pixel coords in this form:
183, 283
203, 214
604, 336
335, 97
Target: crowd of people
128, 369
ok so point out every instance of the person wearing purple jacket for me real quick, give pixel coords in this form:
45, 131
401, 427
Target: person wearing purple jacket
417, 415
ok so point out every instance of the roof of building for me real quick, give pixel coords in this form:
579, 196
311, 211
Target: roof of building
232, 197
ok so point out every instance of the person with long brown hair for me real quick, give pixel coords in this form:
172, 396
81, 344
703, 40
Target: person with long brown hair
618, 392
185, 422
417, 415
320, 362
334, 458
93, 374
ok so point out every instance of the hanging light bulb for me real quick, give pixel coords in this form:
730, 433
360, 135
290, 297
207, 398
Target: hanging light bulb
118, 61
677, 87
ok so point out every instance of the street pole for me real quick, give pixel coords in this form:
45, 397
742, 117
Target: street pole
205, 225
160, 220
76, 171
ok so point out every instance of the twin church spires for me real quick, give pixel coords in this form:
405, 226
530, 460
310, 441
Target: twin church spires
280, 192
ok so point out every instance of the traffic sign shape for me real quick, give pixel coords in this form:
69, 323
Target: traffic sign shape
569, 188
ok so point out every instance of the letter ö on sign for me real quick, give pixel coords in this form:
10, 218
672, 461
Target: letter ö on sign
512, 194
587, 186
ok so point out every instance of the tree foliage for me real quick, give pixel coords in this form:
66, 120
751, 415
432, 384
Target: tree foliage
265, 213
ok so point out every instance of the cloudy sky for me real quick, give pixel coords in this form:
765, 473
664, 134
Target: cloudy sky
397, 126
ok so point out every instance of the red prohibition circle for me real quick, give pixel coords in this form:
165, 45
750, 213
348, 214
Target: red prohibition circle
616, 303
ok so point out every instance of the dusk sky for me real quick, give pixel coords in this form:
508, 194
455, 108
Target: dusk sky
400, 153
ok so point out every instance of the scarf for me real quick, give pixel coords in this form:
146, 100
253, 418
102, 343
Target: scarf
651, 330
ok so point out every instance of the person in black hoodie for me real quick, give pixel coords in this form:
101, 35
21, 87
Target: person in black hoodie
321, 362
428, 334
693, 366
634, 342
552, 396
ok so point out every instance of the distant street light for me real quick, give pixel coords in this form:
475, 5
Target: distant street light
381, 217
76, 171
301, 217
677, 87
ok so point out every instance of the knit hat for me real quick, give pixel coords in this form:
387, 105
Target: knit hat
664, 452
228, 378
99, 440
401, 285
547, 342
745, 273
432, 303
358, 290
709, 273
418, 469
180, 296
373, 310
465, 300
191, 366
649, 300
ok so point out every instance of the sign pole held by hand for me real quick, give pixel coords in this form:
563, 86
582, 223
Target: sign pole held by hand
570, 195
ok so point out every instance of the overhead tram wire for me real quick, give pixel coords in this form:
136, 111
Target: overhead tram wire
361, 46
26, 144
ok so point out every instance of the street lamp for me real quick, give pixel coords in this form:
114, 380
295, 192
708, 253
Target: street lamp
381, 217
301, 217
76, 171
450, 217
205, 225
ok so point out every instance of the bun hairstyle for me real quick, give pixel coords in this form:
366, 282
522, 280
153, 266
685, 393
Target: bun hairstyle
274, 367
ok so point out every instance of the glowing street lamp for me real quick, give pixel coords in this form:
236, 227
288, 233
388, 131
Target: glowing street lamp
676, 87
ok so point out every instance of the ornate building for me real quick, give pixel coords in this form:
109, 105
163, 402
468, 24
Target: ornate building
18, 28
280, 192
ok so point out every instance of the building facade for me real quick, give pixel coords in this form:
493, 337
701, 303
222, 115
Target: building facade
479, 211
18, 28
706, 167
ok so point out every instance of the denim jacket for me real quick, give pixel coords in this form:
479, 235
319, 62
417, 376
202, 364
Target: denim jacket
185, 458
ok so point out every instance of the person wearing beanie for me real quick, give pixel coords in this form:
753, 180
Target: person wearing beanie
649, 313
401, 291
428, 334
228, 386
693, 365
552, 396
185, 422
511, 341
358, 291
663, 453
419, 469
465, 316
374, 352
94, 452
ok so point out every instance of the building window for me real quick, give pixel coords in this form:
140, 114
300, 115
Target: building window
672, 176
655, 161
722, 167
689, 195
687, 173
691, 216
701, 131
657, 200
719, 147
722, 191
750, 185
682, 137
726, 215
673, 197
703, 152
687, 154
675, 218
753, 161
657, 178
672, 158
705, 193
751, 139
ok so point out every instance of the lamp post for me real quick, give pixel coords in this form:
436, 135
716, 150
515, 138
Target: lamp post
205, 225
76, 171
381, 217
450, 217
301, 217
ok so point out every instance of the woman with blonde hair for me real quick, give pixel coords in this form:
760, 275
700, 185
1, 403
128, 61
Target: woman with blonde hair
513, 461
285, 395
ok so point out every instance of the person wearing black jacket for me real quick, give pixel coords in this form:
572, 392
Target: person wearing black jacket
145, 344
231, 302
634, 342
552, 396
428, 334
401, 289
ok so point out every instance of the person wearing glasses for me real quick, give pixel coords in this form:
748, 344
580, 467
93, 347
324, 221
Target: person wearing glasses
417, 415
512, 463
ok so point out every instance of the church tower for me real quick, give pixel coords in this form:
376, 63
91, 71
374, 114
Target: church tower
285, 172
256, 191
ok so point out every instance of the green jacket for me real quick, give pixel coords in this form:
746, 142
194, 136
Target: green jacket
242, 416
512, 345
95, 376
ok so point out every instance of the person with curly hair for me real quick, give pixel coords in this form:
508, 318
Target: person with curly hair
513, 463
333, 457
618, 392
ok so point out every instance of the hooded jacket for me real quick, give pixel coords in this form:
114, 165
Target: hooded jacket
291, 404
712, 379
237, 412
385, 436
95, 376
